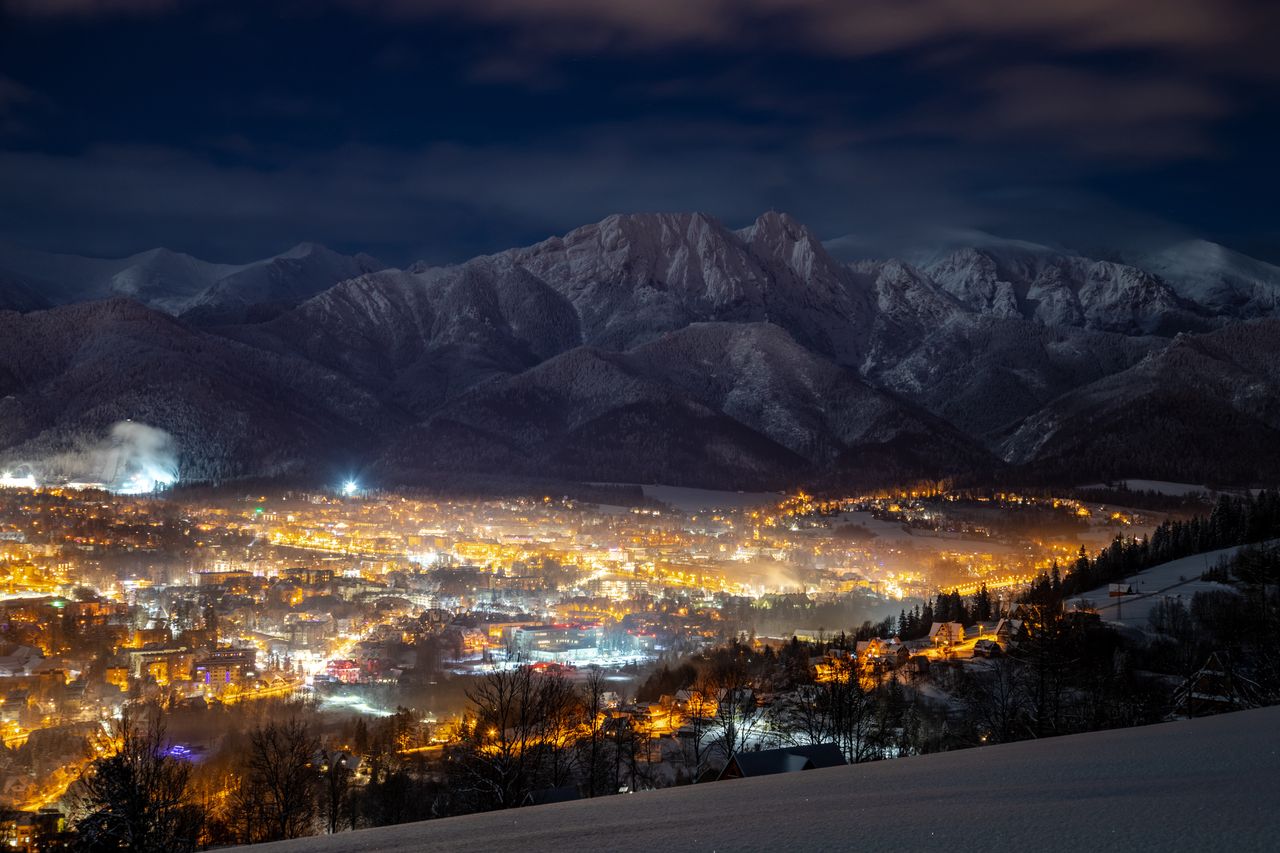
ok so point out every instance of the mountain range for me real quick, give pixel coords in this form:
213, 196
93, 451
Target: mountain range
658, 348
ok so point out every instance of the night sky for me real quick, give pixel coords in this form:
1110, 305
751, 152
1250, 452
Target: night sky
439, 129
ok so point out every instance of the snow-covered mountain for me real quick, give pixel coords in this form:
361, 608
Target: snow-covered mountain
721, 404
1221, 280
71, 372
662, 347
177, 283
633, 278
1063, 290
420, 337
1204, 409
986, 375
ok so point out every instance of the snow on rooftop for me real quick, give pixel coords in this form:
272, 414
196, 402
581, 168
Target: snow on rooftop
1206, 784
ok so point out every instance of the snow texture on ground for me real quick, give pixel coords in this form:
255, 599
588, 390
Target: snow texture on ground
1178, 579
1162, 487
1207, 784
694, 500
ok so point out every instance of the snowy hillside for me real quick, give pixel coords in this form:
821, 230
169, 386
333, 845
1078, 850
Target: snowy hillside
174, 282
1063, 290
235, 411
1177, 579
1205, 784
718, 404
1216, 277
1202, 409
669, 347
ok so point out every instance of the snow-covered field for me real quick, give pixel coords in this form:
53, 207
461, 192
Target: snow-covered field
1206, 784
692, 500
1161, 487
1176, 579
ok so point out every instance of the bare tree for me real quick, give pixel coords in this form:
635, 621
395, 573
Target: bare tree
591, 747
997, 699
336, 789
851, 713
278, 795
737, 717
495, 754
558, 716
804, 718
138, 797
699, 726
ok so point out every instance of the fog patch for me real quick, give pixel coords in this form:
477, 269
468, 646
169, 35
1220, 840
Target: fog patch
133, 458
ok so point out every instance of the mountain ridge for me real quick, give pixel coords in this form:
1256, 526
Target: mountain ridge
670, 347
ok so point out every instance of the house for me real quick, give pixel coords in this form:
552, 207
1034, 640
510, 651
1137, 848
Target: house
878, 656
655, 716
788, 759
946, 633
1010, 631
833, 667
16, 661
695, 703
918, 665
1215, 689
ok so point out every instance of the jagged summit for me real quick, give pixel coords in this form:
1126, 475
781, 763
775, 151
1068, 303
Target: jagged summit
667, 346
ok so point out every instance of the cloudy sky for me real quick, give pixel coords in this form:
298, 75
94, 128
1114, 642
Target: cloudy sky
438, 129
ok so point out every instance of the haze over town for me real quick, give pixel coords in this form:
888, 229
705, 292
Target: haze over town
780, 424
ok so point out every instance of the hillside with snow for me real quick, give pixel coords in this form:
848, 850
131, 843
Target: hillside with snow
1176, 580
174, 282
1217, 278
1204, 784
670, 347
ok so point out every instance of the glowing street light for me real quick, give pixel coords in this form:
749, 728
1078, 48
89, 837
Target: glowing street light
350, 487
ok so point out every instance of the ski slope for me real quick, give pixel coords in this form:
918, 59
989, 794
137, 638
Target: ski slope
1178, 579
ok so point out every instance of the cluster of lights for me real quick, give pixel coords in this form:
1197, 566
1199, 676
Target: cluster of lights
9, 480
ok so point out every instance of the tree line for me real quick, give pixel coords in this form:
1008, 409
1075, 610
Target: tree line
1235, 520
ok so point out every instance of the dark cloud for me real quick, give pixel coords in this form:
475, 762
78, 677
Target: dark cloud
53, 8
839, 26
444, 202
1147, 116
441, 128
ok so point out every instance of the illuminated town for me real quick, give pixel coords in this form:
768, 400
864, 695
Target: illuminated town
362, 602
544, 426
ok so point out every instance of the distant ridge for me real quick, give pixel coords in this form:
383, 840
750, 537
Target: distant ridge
661, 347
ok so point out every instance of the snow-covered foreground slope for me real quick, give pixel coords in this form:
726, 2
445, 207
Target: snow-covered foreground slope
1206, 784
